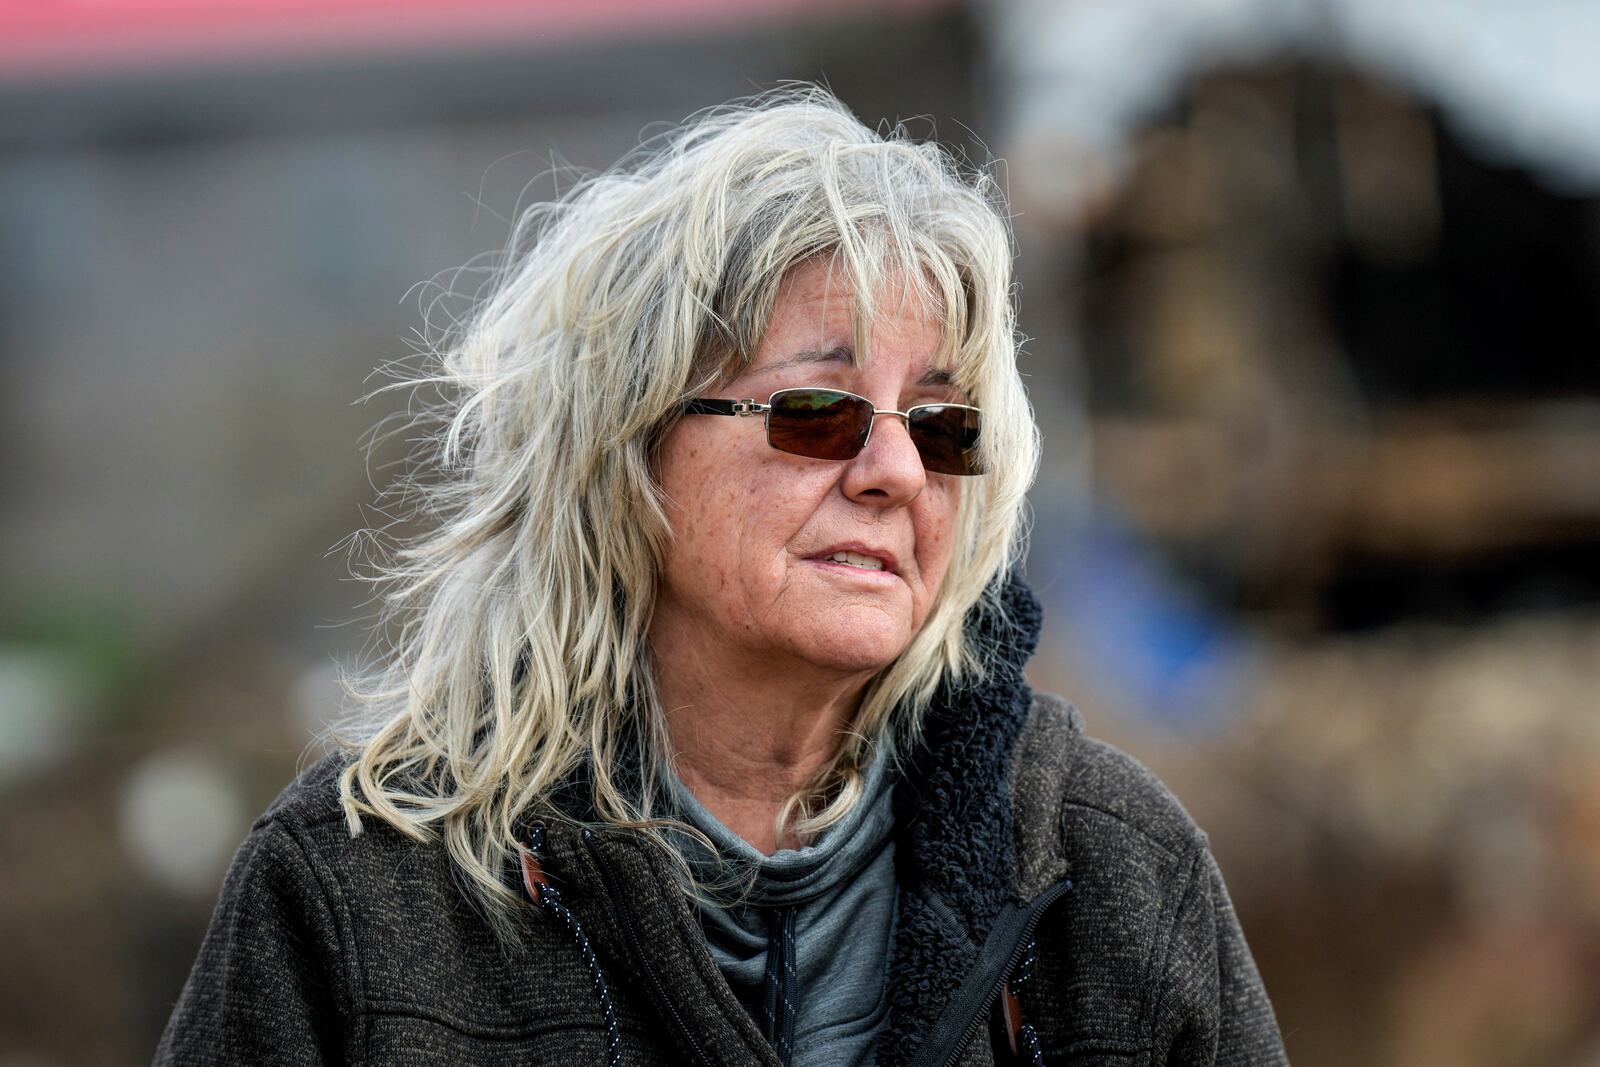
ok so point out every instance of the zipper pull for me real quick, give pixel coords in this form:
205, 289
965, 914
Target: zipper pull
546, 896
534, 880
1024, 1040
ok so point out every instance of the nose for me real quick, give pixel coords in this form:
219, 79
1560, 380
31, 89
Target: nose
888, 471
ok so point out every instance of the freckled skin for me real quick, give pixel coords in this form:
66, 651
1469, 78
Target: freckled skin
740, 586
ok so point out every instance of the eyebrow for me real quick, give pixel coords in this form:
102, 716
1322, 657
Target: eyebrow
844, 352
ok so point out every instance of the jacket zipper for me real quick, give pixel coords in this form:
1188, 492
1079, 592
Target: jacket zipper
619, 906
980, 1001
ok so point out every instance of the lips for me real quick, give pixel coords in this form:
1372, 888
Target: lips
860, 556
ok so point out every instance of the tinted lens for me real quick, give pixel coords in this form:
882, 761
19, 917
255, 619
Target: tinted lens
947, 437
820, 423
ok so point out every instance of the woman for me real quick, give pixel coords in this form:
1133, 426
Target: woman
706, 738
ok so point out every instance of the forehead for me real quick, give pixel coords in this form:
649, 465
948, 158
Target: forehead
817, 316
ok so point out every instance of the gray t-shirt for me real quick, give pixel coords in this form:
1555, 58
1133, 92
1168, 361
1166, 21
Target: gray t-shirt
841, 890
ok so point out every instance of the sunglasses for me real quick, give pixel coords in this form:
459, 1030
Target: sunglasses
832, 424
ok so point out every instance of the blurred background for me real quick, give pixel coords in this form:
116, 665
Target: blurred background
1313, 293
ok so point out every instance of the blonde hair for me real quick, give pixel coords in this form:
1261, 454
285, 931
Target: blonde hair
521, 618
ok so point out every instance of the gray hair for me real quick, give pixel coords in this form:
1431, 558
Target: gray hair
520, 619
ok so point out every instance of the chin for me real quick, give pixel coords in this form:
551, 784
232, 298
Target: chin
854, 645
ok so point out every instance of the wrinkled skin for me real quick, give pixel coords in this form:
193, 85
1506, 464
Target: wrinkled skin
749, 522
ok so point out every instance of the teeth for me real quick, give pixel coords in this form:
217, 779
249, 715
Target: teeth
856, 560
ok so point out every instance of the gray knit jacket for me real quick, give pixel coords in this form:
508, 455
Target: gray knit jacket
1024, 850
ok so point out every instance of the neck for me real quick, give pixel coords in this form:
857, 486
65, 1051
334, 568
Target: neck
749, 733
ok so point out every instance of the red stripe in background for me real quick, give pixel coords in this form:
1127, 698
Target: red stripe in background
49, 37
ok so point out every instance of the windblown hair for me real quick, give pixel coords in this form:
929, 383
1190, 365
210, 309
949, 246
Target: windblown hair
521, 619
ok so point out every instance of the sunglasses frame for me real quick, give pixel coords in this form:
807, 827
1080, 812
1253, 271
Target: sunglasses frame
751, 407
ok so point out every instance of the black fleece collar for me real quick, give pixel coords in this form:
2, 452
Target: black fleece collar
954, 816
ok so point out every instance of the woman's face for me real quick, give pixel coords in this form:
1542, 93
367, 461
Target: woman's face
749, 570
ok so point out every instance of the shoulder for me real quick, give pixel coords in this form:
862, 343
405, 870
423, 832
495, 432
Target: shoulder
307, 821
313, 797
310, 811
1075, 797
1150, 931
393, 902
294, 831
382, 894
371, 871
303, 843
280, 855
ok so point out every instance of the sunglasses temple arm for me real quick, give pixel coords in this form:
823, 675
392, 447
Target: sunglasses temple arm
702, 406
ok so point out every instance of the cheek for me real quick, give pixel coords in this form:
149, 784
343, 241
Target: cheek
936, 538
695, 513
697, 559
732, 513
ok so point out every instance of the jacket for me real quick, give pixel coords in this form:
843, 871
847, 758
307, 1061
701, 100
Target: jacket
1038, 869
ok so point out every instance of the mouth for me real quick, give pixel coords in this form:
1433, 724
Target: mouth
861, 558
